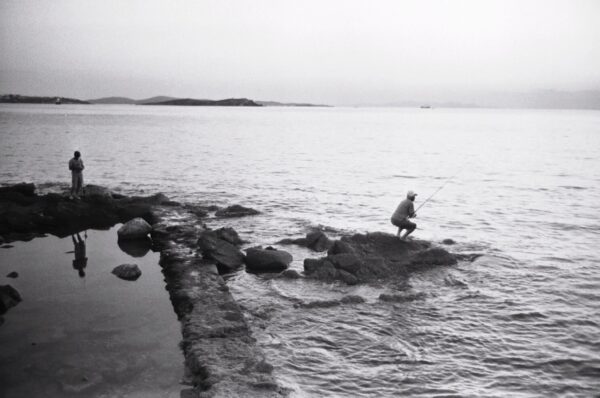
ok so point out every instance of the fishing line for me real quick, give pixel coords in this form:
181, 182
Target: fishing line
440, 188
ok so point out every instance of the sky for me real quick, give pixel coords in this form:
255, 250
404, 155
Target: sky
326, 51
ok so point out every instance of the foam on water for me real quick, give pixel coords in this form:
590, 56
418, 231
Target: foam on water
520, 321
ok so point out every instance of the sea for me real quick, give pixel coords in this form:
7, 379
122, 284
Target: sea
521, 188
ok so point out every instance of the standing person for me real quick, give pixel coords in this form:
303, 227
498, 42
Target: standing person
404, 211
76, 167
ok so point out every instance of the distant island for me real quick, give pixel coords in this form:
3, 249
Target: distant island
158, 100
23, 99
201, 102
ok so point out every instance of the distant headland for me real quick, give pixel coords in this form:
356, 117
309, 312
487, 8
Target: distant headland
158, 100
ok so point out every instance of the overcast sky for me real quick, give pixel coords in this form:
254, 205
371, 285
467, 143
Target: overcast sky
338, 52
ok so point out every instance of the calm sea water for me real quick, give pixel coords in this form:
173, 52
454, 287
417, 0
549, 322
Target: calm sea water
523, 320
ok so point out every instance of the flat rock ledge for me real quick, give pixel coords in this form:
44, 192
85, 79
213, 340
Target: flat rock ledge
220, 353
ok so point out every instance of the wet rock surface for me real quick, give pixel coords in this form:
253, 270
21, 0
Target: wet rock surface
25, 215
138, 228
225, 254
267, 260
236, 211
129, 272
369, 257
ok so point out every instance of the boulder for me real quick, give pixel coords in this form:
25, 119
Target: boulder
13, 274
290, 274
318, 241
448, 241
267, 260
236, 211
320, 269
9, 297
230, 235
137, 228
339, 247
129, 272
225, 254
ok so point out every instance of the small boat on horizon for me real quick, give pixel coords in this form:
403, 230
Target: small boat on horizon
425, 106
58, 101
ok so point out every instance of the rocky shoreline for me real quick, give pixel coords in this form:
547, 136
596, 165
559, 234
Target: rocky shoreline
221, 355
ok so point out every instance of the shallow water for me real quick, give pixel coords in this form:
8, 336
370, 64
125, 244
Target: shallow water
520, 321
81, 331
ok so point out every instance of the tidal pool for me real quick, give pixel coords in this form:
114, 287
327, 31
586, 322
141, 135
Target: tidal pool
82, 331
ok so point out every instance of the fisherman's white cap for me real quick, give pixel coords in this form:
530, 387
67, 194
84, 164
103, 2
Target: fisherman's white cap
410, 194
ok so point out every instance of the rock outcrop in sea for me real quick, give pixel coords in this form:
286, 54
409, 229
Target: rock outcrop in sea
368, 257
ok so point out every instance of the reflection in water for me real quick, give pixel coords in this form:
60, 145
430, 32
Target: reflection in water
80, 261
137, 247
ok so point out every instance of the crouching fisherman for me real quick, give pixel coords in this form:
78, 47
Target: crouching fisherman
404, 211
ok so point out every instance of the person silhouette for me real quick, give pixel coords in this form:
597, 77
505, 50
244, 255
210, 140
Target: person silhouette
80, 261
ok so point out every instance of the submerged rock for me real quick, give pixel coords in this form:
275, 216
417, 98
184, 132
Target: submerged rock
403, 297
129, 272
290, 274
137, 228
363, 258
13, 274
267, 260
224, 253
448, 241
236, 211
9, 297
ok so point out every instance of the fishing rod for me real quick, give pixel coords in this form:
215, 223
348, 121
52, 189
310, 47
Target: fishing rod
437, 190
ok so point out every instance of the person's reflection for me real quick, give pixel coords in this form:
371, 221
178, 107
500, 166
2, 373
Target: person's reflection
80, 261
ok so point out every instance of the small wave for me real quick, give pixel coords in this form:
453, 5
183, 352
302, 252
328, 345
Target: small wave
573, 187
527, 315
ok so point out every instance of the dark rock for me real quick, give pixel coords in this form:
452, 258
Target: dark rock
267, 260
346, 261
317, 241
352, 300
137, 228
6, 246
230, 235
375, 256
290, 241
290, 274
9, 297
24, 215
13, 274
431, 257
136, 247
347, 277
468, 257
129, 272
339, 247
321, 304
25, 189
228, 256
236, 211
448, 242
319, 269
401, 298
97, 192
